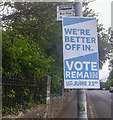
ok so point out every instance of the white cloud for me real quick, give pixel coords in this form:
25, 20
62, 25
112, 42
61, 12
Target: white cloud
104, 73
103, 8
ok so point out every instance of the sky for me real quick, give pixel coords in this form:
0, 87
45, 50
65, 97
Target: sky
103, 8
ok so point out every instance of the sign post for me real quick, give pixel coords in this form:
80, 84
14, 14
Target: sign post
80, 52
80, 55
64, 10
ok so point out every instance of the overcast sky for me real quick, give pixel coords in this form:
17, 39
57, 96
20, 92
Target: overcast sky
103, 8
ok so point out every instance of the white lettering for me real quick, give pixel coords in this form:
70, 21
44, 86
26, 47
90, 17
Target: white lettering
73, 74
80, 65
93, 66
69, 66
67, 74
79, 74
86, 75
86, 65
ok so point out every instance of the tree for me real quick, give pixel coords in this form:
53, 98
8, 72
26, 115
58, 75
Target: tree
111, 55
32, 43
47, 32
103, 37
108, 83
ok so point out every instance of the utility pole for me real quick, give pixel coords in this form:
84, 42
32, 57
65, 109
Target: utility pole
81, 93
112, 54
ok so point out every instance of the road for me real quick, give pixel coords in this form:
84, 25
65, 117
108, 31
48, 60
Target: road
70, 110
101, 103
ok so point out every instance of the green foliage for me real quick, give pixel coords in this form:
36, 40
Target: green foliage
25, 60
108, 84
110, 75
32, 47
56, 81
104, 46
26, 91
11, 94
14, 110
111, 55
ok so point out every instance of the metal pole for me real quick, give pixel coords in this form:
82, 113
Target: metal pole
81, 93
78, 8
82, 104
112, 55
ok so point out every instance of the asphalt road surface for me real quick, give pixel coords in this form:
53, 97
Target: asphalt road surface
70, 110
101, 103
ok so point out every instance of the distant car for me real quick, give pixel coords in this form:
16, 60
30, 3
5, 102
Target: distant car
111, 89
104, 88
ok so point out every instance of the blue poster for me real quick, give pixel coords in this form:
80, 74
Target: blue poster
80, 53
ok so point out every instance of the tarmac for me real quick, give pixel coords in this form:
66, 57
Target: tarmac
70, 110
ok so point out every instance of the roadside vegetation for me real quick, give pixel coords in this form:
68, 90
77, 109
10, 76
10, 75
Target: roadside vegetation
32, 47
109, 82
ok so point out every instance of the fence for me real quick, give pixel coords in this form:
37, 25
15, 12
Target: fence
22, 94
55, 91
19, 95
